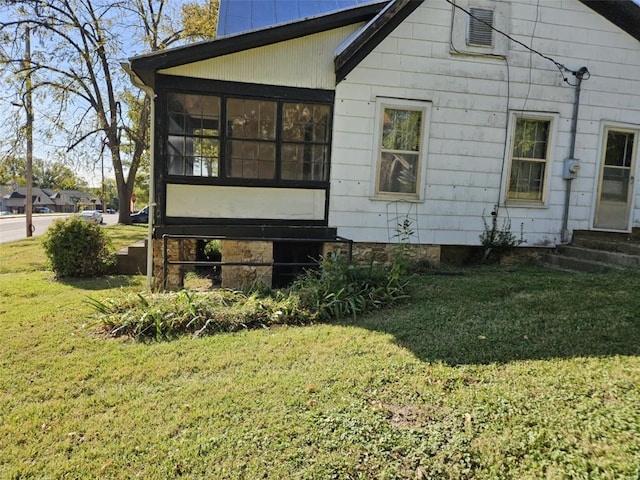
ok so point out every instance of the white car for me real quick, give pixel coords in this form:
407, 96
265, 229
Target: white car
92, 216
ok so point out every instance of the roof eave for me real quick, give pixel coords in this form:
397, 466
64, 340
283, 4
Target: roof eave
370, 36
146, 66
625, 14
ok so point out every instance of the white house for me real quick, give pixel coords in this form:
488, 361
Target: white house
396, 118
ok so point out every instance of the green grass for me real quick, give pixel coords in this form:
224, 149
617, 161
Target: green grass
517, 374
27, 255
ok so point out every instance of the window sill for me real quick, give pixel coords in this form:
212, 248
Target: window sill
525, 204
396, 199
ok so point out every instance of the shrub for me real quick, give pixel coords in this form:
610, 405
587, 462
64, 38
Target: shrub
75, 248
340, 288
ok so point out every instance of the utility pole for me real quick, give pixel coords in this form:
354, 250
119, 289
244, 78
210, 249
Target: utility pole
29, 108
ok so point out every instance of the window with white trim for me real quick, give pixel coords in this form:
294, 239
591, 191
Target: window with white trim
401, 148
529, 158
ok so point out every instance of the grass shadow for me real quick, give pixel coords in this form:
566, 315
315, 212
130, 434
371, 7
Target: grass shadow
499, 316
106, 282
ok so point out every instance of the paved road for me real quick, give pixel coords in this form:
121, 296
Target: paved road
14, 227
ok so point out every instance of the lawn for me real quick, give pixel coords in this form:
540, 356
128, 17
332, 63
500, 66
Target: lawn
517, 374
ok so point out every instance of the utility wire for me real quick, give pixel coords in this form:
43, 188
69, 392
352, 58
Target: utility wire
562, 68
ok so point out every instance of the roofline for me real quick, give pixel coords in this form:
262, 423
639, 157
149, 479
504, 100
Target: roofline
145, 66
625, 14
370, 36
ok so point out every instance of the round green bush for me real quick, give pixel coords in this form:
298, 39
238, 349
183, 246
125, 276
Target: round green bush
76, 248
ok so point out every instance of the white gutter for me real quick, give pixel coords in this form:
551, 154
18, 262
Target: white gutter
152, 134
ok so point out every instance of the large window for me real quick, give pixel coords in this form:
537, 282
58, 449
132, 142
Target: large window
400, 149
268, 140
530, 152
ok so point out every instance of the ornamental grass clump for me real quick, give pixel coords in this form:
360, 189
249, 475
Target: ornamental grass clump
163, 316
75, 248
337, 289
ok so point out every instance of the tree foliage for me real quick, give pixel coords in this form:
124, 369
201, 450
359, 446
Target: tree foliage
200, 21
50, 175
75, 65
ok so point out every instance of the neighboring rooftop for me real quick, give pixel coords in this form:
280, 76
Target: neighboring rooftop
238, 16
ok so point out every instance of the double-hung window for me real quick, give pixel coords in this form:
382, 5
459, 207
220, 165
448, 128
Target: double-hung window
529, 159
401, 148
235, 139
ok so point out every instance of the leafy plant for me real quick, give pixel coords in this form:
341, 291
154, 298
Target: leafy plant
75, 248
213, 248
497, 241
340, 288
337, 289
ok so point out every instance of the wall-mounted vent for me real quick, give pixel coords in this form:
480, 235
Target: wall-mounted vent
479, 31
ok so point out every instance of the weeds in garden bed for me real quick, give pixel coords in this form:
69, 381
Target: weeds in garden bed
337, 289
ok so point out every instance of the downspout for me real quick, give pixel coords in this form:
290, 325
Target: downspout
152, 130
571, 164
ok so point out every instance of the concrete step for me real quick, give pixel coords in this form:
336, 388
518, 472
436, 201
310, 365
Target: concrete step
628, 247
613, 258
575, 264
132, 260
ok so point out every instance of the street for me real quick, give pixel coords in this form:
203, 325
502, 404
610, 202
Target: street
13, 227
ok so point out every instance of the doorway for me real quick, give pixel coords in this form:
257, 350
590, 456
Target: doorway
616, 179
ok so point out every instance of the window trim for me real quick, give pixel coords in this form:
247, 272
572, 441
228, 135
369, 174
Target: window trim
553, 119
399, 104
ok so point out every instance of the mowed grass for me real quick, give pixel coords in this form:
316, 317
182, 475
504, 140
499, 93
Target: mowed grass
514, 374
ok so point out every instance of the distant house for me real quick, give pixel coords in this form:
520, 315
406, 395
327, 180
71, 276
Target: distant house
63, 201
382, 120
16, 200
70, 201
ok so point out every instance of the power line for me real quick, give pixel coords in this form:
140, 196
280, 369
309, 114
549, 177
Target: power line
562, 68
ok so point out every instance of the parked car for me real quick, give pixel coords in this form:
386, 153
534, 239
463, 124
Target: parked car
42, 210
141, 217
5, 212
92, 216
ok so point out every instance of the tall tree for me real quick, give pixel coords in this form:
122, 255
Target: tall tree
77, 63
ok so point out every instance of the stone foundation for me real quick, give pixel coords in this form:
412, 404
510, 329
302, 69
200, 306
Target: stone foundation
364, 252
242, 276
178, 249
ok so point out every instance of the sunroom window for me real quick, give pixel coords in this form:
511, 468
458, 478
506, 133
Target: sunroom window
193, 144
267, 140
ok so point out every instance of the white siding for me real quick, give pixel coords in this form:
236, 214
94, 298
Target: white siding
303, 62
471, 97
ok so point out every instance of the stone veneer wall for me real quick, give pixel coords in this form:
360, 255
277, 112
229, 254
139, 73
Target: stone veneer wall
177, 249
364, 252
246, 251
262, 252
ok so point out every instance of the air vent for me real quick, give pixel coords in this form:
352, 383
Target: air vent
479, 31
